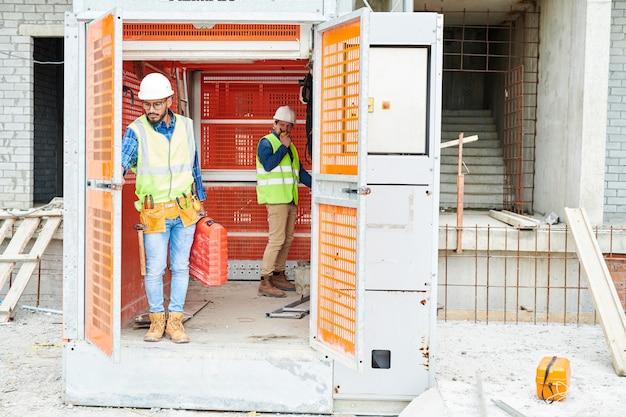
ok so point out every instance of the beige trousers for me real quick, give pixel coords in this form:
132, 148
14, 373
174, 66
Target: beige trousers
281, 219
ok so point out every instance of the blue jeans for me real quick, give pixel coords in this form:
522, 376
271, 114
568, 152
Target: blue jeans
180, 239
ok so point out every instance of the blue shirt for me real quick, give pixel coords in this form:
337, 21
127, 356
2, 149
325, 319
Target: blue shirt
129, 152
270, 160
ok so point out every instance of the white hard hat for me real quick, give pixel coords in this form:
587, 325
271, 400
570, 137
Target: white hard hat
285, 114
155, 86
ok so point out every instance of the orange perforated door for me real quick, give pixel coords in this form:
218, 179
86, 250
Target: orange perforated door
338, 191
103, 198
99, 270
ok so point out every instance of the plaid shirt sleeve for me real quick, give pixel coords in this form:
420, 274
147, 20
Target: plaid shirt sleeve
197, 177
129, 150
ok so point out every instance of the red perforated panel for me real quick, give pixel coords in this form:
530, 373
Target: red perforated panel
219, 32
236, 209
233, 146
237, 112
131, 104
251, 248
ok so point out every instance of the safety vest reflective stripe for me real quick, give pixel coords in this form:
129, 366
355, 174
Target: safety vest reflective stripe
276, 181
164, 167
279, 168
280, 185
146, 169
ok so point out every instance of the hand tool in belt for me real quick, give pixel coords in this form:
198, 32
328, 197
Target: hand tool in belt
142, 250
148, 202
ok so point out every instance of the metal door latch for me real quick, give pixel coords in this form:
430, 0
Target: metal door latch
360, 190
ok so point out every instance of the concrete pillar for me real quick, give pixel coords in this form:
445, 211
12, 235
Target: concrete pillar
572, 106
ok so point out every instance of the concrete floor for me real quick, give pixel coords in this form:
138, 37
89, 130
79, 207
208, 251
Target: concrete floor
235, 315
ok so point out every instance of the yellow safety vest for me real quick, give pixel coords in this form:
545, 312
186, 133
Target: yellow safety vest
164, 167
280, 185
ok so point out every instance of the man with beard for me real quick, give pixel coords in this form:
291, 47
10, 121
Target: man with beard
161, 149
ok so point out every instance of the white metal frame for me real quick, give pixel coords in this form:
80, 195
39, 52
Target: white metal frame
309, 383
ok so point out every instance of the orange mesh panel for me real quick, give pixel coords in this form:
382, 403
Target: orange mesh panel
236, 209
249, 98
237, 112
233, 146
251, 248
340, 100
99, 269
219, 32
336, 324
100, 108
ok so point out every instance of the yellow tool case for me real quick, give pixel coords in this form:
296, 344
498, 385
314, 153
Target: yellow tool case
553, 375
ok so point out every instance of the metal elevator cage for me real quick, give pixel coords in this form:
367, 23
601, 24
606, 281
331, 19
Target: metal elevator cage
373, 212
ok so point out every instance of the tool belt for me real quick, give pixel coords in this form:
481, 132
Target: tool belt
153, 215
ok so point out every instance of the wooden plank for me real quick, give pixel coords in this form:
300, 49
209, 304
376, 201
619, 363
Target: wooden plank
17, 244
6, 226
514, 219
27, 268
455, 142
21, 257
605, 298
21, 214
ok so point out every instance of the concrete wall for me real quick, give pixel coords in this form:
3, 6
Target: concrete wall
571, 113
21, 21
615, 177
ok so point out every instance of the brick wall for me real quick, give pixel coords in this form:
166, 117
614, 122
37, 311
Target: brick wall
616, 264
16, 94
615, 175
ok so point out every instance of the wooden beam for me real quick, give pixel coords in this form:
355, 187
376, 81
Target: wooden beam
514, 219
604, 294
455, 142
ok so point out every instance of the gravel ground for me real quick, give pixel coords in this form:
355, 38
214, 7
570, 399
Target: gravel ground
503, 357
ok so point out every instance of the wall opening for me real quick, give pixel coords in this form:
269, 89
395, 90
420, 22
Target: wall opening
491, 63
48, 119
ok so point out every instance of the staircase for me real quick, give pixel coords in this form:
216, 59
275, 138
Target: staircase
483, 158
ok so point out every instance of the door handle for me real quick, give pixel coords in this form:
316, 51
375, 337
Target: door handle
360, 190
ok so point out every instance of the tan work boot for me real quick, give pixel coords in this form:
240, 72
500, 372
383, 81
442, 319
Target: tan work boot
157, 327
175, 329
267, 289
280, 281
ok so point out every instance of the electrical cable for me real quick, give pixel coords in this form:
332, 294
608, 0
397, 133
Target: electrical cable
12, 55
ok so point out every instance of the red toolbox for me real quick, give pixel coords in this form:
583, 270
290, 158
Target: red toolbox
208, 262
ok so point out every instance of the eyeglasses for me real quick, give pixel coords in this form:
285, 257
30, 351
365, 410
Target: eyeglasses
158, 105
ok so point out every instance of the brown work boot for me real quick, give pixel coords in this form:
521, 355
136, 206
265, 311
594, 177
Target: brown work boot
267, 289
280, 281
157, 327
175, 329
